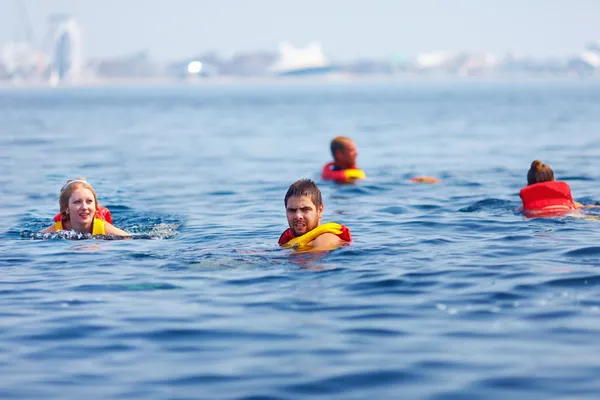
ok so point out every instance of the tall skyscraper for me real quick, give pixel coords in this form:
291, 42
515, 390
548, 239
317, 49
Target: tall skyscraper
65, 50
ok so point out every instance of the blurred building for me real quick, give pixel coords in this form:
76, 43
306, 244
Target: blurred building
591, 55
300, 61
478, 64
191, 68
587, 63
3, 72
134, 65
250, 63
19, 59
65, 49
369, 67
434, 60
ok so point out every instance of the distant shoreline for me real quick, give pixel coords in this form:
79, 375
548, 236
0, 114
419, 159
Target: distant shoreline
326, 79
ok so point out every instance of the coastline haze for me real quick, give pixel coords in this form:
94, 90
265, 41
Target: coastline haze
346, 29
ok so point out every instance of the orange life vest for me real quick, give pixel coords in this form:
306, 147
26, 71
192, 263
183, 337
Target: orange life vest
98, 227
102, 213
551, 198
341, 175
287, 238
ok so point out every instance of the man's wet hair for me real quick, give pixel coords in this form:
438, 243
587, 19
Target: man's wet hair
339, 143
305, 187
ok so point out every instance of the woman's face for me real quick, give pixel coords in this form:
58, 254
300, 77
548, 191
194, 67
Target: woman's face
82, 206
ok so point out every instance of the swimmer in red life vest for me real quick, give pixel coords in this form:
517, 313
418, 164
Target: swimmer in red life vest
304, 210
79, 211
544, 196
343, 167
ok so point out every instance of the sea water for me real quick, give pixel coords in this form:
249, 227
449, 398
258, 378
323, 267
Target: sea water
447, 291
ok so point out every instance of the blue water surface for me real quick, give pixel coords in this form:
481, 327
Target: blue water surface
447, 292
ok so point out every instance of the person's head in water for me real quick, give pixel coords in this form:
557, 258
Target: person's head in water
303, 206
80, 212
343, 151
539, 172
78, 201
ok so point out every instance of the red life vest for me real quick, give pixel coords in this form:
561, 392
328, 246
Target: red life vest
329, 174
552, 198
288, 235
341, 175
102, 213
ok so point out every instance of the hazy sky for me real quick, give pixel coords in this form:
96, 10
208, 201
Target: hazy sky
347, 29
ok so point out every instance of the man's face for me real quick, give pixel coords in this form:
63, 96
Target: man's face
302, 215
346, 157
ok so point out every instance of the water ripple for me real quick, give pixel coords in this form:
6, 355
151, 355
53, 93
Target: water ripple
447, 292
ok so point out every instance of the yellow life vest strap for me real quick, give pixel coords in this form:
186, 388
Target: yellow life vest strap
97, 229
302, 241
354, 173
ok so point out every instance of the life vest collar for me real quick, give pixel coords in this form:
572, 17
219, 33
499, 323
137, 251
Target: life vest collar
98, 227
342, 175
101, 212
287, 238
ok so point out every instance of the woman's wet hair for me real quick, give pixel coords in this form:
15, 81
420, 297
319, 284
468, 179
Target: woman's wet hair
539, 172
305, 187
67, 190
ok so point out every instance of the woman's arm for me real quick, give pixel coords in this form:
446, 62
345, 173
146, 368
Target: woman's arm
592, 206
579, 205
113, 230
48, 229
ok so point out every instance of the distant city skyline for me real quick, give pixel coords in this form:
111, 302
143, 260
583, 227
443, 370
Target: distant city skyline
347, 29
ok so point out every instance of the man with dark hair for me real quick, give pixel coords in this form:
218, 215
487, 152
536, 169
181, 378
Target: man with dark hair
304, 210
343, 168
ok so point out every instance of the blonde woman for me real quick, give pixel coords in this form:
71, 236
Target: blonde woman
79, 209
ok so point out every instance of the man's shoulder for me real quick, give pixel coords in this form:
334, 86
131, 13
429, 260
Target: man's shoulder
327, 239
332, 232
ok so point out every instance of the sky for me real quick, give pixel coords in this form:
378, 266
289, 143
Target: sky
346, 29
